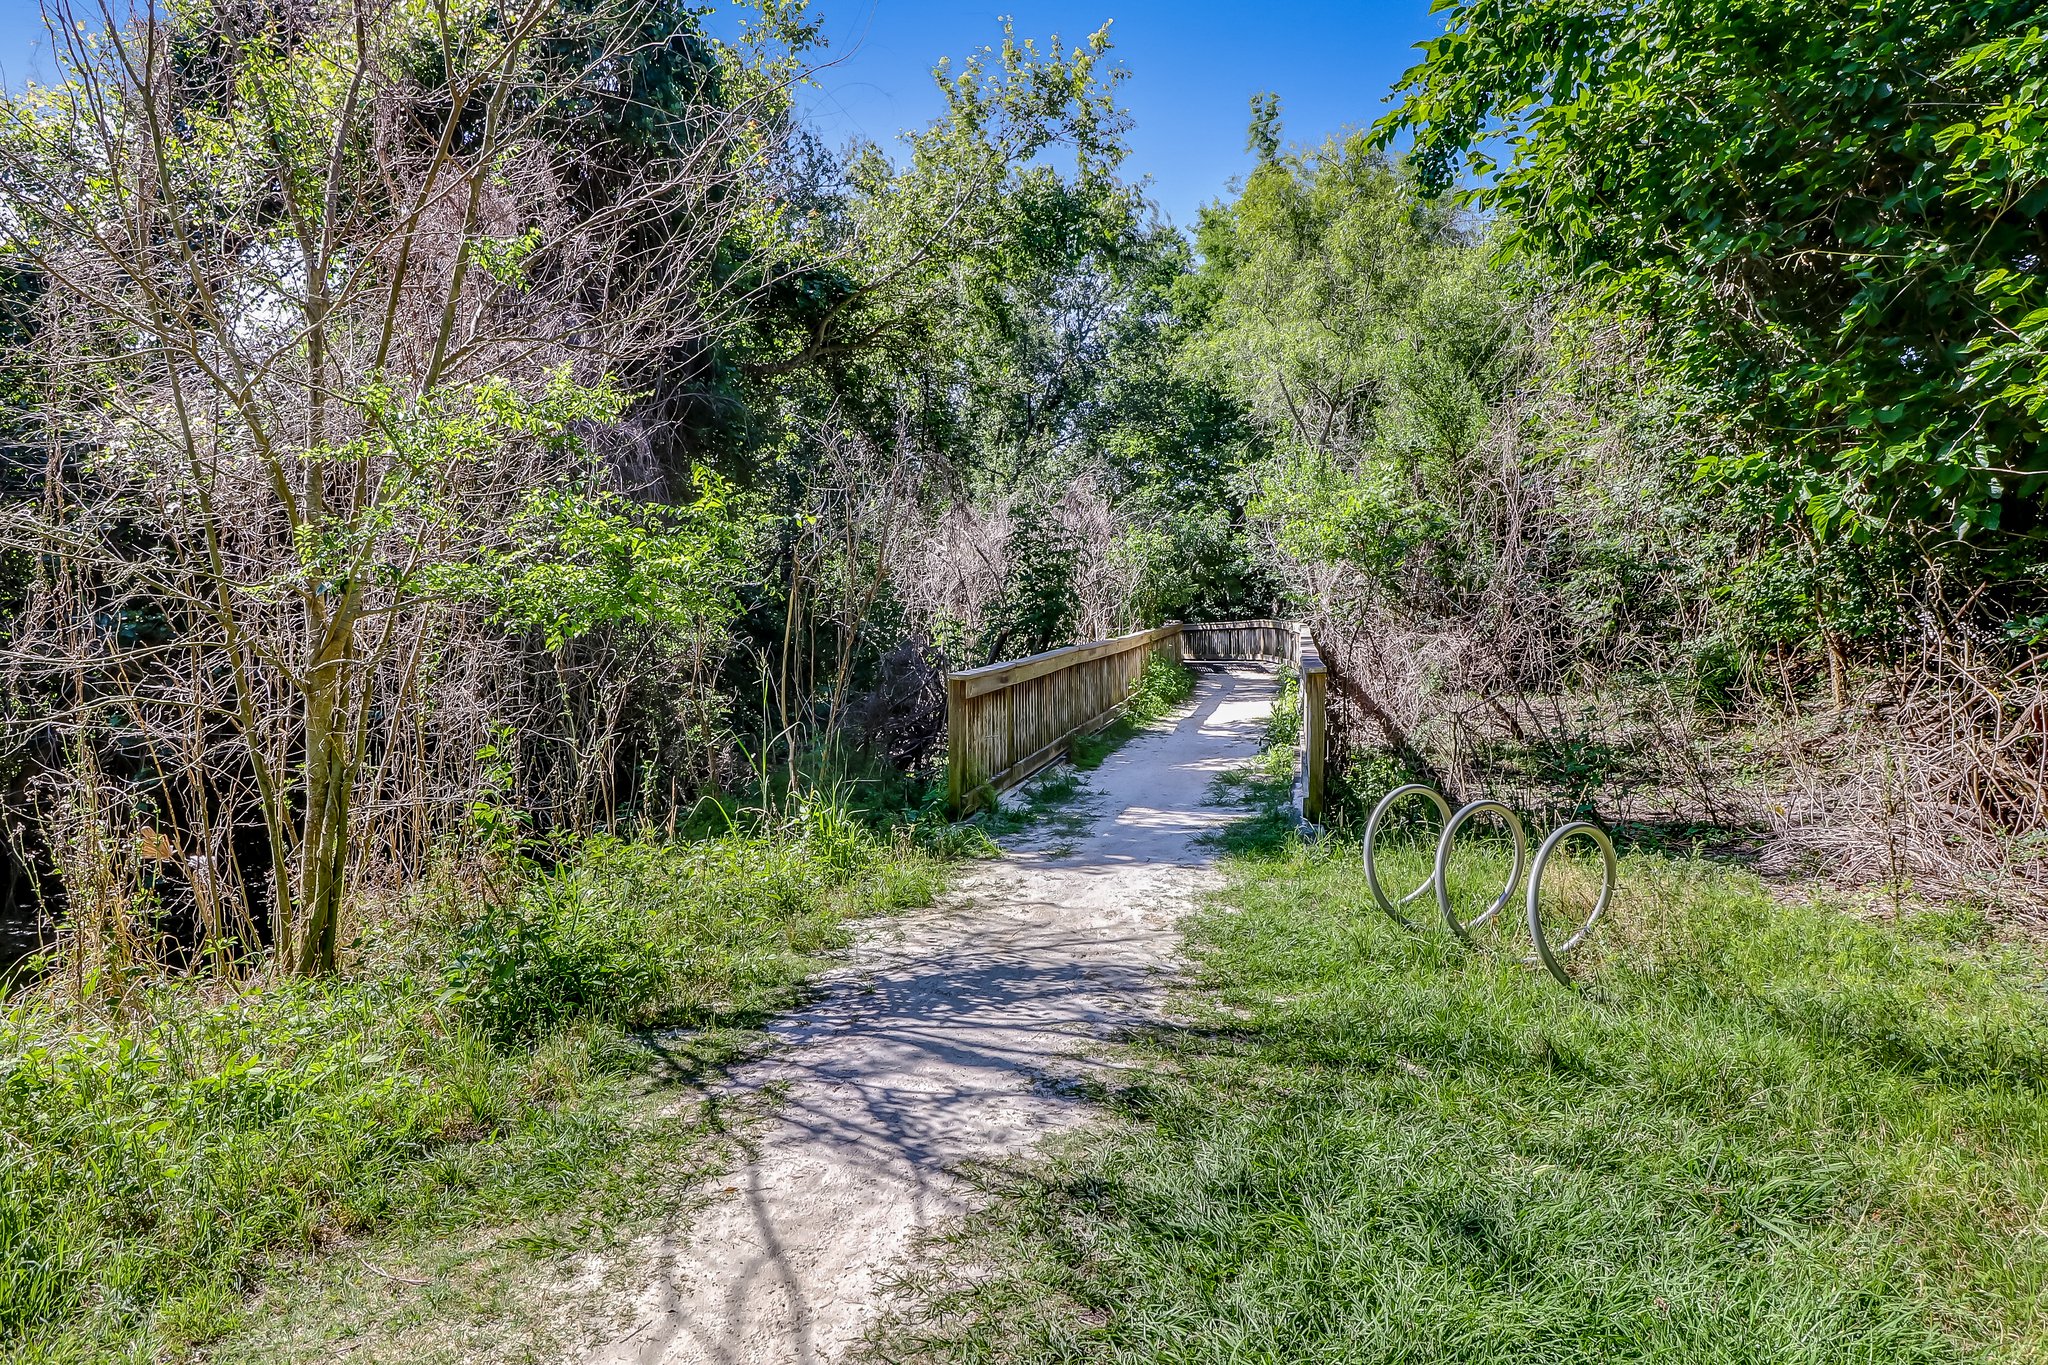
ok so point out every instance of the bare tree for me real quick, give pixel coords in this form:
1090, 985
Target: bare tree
327, 290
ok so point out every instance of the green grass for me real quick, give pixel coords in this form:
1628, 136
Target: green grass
1765, 1131
1049, 802
1162, 688
158, 1159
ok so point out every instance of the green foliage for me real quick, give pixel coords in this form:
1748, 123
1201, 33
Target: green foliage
1370, 518
153, 1161
968, 286
1793, 594
1356, 786
1772, 1131
1035, 608
522, 970
1452, 442
1832, 217
569, 559
1283, 722
1370, 338
1186, 563
1329, 287
634, 934
1175, 443
1163, 688
584, 560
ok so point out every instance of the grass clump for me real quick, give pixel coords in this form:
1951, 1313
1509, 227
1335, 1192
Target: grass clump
1283, 722
159, 1154
1046, 801
1163, 686
639, 934
1764, 1132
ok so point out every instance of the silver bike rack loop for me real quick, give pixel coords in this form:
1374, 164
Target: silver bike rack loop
1552, 957
1441, 877
1372, 834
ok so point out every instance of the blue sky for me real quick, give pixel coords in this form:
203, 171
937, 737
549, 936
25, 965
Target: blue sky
1194, 67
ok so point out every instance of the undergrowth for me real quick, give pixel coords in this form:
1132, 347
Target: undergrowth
158, 1155
1763, 1132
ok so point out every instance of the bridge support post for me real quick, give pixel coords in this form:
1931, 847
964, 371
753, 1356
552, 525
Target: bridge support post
956, 746
1314, 680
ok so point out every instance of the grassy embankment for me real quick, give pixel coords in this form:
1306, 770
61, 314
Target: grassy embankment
1765, 1131
177, 1143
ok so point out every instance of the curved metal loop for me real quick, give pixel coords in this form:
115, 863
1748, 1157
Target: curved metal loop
1553, 957
1372, 834
1441, 877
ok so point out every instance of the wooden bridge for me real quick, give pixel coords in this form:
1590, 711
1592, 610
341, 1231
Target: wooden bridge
1006, 721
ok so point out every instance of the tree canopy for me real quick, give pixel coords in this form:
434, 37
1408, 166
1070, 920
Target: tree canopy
1833, 216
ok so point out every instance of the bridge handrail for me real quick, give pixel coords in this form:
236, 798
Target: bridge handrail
1006, 720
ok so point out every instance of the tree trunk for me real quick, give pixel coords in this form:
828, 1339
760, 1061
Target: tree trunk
323, 845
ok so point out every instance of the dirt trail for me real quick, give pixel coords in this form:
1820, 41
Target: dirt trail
950, 1035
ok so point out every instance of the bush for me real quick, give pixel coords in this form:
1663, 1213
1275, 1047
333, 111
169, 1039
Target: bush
637, 934
521, 971
1162, 686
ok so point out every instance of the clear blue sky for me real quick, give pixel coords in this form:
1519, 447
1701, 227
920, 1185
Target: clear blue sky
1194, 67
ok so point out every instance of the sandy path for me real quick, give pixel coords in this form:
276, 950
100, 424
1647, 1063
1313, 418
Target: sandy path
950, 1035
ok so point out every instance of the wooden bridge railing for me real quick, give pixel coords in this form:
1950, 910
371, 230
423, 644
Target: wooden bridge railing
1282, 642
1006, 721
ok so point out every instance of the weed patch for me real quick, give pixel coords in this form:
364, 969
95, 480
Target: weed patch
1764, 1132
1046, 800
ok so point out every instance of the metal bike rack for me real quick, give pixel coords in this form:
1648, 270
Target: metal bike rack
1372, 834
1553, 957
1441, 877
1550, 955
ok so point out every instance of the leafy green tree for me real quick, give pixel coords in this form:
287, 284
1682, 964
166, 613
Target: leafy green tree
1456, 459
1035, 608
996, 261
1368, 338
1833, 215
1189, 562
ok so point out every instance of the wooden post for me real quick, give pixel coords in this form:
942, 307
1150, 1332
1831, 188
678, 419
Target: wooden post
1314, 747
956, 746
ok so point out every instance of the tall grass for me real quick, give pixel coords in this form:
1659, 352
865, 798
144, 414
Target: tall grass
155, 1158
1766, 1131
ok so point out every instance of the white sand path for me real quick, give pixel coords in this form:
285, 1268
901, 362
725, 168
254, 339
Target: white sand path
950, 1035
